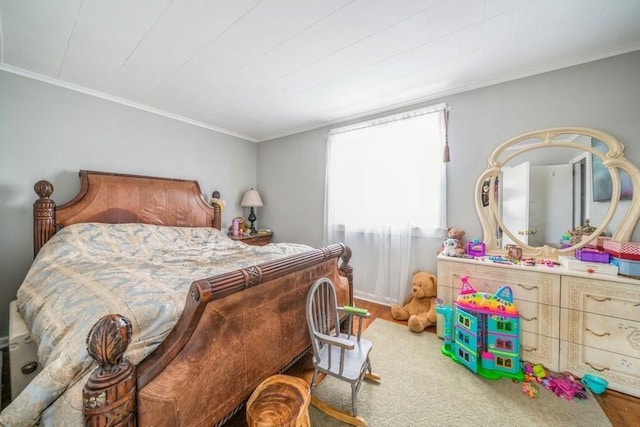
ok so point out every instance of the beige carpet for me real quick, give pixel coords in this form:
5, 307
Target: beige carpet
421, 387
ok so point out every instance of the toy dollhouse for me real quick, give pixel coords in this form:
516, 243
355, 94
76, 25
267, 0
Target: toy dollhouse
482, 332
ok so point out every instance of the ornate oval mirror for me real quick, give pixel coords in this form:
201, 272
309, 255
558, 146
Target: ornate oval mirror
552, 191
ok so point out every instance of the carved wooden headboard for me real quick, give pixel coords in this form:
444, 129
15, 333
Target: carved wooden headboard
121, 198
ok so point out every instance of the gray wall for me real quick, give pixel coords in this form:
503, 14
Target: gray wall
604, 95
47, 132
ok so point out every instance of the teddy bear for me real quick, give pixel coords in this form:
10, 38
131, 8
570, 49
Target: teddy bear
243, 226
454, 233
420, 308
450, 247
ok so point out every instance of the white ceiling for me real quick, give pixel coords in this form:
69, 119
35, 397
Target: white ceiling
260, 69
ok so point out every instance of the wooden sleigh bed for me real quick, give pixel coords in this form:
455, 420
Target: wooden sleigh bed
236, 328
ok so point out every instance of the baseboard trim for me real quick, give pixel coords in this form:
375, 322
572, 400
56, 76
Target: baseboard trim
4, 343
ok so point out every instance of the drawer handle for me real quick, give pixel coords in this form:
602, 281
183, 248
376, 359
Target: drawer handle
528, 319
29, 368
525, 348
599, 299
594, 368
606, 334
527, 287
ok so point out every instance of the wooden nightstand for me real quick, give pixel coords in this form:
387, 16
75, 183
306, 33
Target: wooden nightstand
254, 239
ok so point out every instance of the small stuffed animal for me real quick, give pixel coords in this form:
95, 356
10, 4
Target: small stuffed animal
420, 308
450, 246
244, 226
458, 234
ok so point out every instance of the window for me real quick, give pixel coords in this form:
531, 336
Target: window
385, 197
388, 173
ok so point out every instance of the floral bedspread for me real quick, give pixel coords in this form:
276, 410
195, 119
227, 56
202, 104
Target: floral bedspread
89, 270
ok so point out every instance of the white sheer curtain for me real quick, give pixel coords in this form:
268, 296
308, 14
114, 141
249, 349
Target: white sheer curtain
385, 189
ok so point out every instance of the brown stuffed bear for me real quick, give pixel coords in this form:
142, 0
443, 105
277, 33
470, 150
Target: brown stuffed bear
420, 308
458, 234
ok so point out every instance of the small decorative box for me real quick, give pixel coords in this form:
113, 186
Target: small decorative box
592, 255
598, 242
627, 267
570, 263
476, 248
623, 250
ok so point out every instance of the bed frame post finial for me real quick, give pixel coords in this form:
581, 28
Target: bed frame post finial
109, 396
217, 209
44, 215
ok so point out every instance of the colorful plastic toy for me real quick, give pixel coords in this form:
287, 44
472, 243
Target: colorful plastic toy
539, 371
498, 259
594, 383
476, 248
482, 332
530, 389
528, 375
566, 387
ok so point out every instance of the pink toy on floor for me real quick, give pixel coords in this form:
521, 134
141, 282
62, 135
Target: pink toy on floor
566, 387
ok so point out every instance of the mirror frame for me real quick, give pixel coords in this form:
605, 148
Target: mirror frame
613, 160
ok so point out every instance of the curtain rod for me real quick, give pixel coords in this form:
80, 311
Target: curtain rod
388, 119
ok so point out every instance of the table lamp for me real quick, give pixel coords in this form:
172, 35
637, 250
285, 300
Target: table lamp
251, 199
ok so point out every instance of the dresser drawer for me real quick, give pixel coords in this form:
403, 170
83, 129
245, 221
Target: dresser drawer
621, 371
531, 286
614, 299
607, 333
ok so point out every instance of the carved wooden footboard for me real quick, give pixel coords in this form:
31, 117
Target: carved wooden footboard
110, 394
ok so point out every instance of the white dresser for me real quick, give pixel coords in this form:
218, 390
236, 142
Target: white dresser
570, 321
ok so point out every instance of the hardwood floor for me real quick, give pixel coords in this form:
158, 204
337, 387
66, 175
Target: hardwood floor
623, 410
